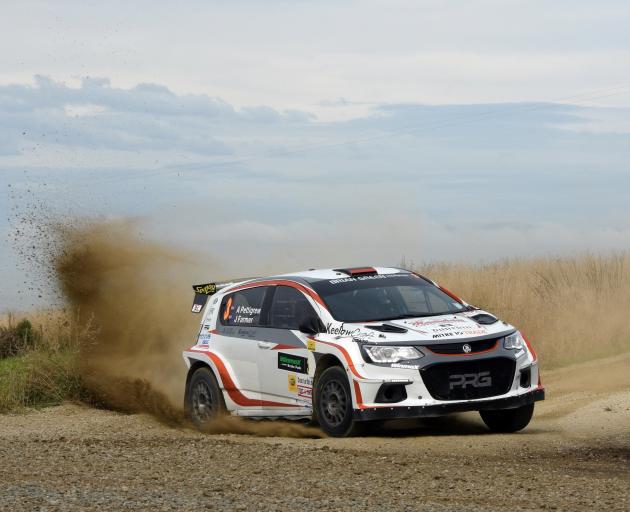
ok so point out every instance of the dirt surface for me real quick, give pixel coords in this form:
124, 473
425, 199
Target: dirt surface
575, 455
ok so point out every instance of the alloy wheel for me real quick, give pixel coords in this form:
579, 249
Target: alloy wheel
334, 400
203, 404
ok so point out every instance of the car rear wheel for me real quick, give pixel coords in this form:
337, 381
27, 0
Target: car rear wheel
508, 420
333, 403
204, 400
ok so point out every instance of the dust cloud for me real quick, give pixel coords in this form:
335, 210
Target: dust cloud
137, 295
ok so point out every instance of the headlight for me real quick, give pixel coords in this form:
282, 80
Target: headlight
385, 354
514, 341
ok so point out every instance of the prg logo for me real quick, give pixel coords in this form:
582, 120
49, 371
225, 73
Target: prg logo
475, 380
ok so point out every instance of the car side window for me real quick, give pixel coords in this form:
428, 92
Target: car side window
244, 308
289, 308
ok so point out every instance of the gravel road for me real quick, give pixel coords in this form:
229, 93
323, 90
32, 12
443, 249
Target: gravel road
574, 456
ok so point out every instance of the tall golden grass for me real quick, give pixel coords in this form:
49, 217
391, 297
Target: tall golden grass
572, 309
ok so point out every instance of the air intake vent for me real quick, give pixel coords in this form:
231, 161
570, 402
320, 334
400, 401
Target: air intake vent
387, 328
485, 319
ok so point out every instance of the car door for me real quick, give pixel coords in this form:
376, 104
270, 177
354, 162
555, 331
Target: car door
283, 366
240, 318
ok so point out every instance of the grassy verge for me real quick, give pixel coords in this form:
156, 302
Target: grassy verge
40, 360
37, 379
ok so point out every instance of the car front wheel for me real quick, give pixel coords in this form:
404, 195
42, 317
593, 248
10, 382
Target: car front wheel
333, 403
508, 420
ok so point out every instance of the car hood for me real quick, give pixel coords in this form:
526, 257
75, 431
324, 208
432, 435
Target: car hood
469, 325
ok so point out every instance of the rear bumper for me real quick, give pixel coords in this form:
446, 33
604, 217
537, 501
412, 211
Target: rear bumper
400, 412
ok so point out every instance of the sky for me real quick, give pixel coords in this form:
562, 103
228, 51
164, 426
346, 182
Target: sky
281, 135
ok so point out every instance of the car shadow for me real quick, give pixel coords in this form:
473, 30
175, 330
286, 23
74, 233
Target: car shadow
450, 425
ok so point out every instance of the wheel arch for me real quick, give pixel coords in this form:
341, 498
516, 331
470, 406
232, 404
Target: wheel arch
323, 362
195, 364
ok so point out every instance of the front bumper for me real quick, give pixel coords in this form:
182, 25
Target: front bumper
400, 412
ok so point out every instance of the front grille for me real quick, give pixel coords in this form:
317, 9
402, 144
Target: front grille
467, 380
458, 348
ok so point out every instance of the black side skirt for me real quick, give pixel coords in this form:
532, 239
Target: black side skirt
389, 413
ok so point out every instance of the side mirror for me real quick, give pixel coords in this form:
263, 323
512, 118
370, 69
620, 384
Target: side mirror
311, 325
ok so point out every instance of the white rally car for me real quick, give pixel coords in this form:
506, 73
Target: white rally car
347, 346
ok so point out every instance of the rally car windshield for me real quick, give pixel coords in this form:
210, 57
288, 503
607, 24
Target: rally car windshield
384, 297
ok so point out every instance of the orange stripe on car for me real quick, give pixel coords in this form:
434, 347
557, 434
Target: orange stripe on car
359, 397
235, 394
531, 349
357, 394
346, 357
450, 294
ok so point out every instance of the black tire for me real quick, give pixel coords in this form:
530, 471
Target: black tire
204, 399
508, 420
333, 403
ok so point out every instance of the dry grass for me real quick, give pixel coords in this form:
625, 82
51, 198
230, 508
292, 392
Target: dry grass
572, 309
42, 368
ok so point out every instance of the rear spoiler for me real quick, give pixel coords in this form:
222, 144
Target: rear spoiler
204, 291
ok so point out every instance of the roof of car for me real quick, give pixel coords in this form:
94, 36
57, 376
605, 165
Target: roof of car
314, 275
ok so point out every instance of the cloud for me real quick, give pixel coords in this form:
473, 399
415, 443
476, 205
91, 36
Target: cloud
49, 123
146, 117
301, 54
272, 191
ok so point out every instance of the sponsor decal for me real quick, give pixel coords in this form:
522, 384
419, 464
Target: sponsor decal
204, 339
206, 289
246, 333
305, 391
406, 366
292, 383
364, 335
423, 322
311, 345
362, 278
304, 386
475, 380
461, 332
292, 363
197, 308
305, 380
356, 332
446, 328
